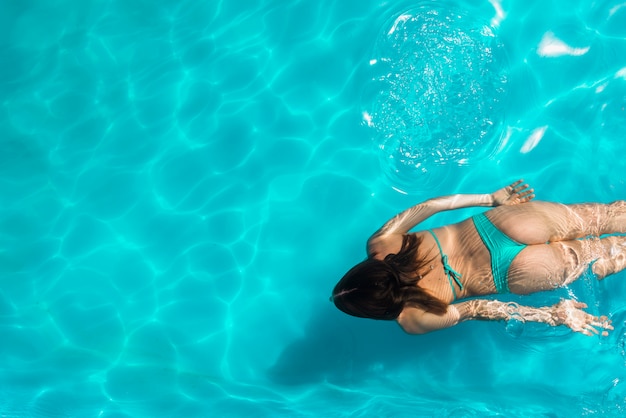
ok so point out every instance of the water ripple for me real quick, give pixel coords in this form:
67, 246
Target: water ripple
436, 93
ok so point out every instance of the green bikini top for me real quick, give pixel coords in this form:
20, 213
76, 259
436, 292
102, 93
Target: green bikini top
450, 272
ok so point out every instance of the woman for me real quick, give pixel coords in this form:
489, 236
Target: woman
421, 278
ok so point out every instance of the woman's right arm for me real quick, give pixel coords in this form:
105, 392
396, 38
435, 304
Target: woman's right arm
566, 312
403, 222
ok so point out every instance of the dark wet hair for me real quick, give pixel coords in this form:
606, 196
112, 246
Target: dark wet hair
380, 289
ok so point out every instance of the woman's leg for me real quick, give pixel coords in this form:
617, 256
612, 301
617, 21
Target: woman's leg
541, 222
548, 266
614, 258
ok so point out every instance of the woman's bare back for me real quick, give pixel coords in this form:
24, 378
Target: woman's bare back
466, 254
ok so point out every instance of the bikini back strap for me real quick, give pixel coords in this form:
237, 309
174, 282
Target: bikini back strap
450, 272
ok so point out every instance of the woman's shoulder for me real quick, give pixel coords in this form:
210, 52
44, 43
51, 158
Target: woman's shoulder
409, 320
379, 246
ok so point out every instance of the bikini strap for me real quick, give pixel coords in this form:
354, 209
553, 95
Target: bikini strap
450, 272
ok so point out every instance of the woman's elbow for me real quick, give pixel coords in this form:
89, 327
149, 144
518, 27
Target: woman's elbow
414, 329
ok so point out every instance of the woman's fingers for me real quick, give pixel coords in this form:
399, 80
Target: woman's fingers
598, 325
520, 187
522, 191
526, 196
603, 323
583, 322
513, 186
526, 193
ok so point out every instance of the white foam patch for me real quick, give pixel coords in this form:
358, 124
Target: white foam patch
551, 46
500, 15
368, 119
533, 140
401, 18
621, 73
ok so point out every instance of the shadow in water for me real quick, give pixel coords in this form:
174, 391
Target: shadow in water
341, 349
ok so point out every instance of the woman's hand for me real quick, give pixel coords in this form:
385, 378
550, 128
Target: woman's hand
570, 313
514, 194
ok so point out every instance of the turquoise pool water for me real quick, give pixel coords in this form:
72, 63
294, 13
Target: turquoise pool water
183, 182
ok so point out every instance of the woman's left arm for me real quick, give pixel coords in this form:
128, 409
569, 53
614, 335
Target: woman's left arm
403, 222
567, 312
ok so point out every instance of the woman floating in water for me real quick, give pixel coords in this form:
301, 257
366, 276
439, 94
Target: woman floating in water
421, 278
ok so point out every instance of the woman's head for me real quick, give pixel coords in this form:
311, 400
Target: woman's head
380, 289
369, 290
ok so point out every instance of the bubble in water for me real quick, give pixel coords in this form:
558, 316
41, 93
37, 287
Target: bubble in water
515, 327
436, 94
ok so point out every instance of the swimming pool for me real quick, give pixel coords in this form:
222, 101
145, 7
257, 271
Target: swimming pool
182, 184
